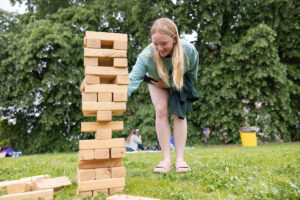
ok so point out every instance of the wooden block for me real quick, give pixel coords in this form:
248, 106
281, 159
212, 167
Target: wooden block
104, 115
105, 97
101, 153
93, 164
86, 154
120, 62
121, 80
101, 144
19, 188
102, 134
117, 153
120, 97
103, 173
86, 174
118, 44
112, 53
105, 36
85, 194
106, 88
118, 172
84, 41
51, 183
34, 195
92, 43
116, 190
95, 192
94, 126
128, 197
92, 79
103, 106
90, 61
89, 97
105, 71
101, 184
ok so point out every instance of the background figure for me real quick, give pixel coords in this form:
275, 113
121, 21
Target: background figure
133, 141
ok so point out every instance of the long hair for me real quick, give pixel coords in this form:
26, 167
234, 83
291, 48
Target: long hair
168, 27
133, 131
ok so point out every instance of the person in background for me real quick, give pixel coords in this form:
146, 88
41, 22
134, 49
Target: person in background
133, 141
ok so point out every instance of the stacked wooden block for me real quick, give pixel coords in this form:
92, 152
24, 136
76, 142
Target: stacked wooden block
104, 94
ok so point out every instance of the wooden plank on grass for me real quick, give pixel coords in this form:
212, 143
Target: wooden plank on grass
34, 195
101, 144
101, 184
106, 88
105, 71
19, 188
111, 53
93, 164
105, 36
94, 126
51, 183
108, 106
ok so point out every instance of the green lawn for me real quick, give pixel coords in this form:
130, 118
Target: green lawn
264, 172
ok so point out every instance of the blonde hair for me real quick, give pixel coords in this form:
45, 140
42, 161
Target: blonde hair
168, 27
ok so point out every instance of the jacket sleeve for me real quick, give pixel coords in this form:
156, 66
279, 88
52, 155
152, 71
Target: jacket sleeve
193, 64
137, 74
137, 139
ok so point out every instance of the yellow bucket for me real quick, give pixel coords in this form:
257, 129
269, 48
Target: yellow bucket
248, 137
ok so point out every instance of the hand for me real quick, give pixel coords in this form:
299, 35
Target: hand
159, 83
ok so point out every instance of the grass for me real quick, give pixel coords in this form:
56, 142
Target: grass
264, 172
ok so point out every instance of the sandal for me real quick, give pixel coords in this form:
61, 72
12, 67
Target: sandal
162, 168
183, 168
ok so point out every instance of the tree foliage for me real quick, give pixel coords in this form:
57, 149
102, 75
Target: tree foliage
249, 54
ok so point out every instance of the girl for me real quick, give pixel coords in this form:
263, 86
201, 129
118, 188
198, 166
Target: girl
170, 65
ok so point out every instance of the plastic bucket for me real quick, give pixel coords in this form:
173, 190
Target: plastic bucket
248, 137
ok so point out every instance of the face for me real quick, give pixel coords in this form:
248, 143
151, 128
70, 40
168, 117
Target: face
163, 43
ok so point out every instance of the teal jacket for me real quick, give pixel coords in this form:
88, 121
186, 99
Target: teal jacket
179, 101
145, 64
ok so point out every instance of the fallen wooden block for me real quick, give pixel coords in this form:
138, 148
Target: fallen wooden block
51, 183
128, 197
34, 195
19, 188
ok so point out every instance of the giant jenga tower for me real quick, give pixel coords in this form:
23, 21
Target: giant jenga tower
104, 94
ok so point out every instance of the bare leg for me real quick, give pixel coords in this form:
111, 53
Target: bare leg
180, 135
159, 99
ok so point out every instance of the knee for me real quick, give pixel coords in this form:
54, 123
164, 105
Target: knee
161, 111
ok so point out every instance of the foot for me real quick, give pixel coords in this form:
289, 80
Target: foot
163, 167
182, 167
